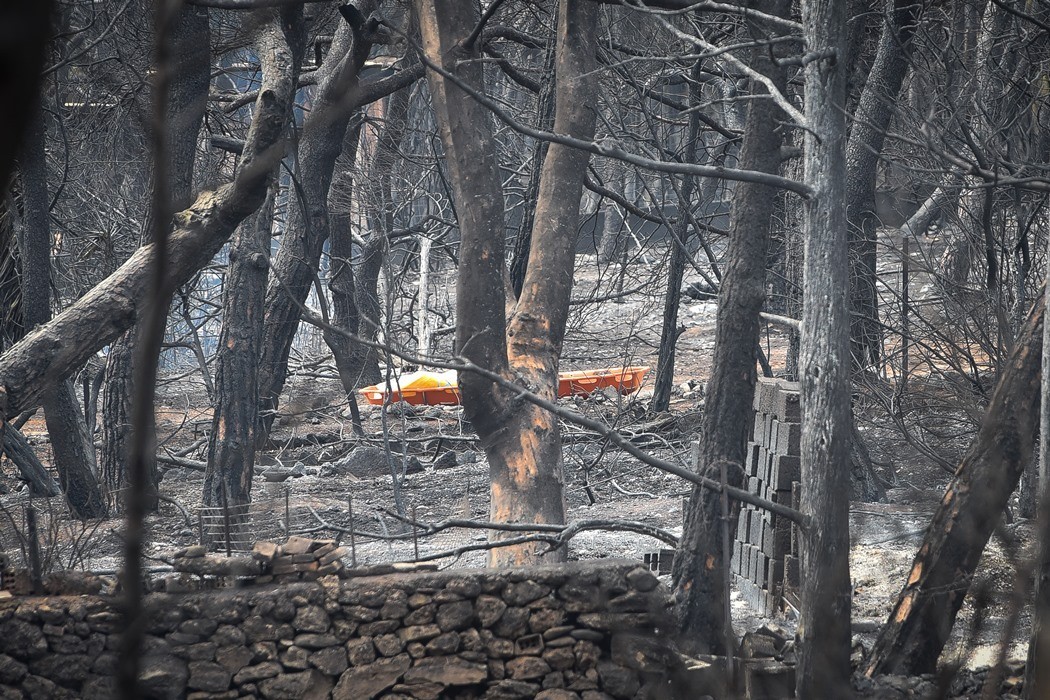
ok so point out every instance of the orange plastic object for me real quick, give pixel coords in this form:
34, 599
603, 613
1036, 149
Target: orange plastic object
419, 388
626, 380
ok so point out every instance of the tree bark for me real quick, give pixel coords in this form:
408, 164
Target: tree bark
235, 422
700, 563
519, 262
522, 442
116, 419
366, 296
824, 659
235, 416
377, 196
922, 619
615, 235
343, 286
71, 446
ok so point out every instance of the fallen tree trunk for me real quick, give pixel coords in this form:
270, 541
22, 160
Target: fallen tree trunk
918, 628
184, 462
47, 355
22, 456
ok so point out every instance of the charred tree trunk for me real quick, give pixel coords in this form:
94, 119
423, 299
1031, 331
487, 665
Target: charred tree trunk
355, 294
236, 424
23, 456
116, 419
874, 112
522, 442
526, 465
544, 120
235, 416
91, 378
191, 77
918, 628
308, 226
615, 235
378, 196
824, 629
118, 388
73, 450
1037, 670
700, 563
669, 330
366, 295
343, 286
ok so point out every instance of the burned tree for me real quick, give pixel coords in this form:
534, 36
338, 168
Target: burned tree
700, 563
71, 444
824, 366
191, 69
925, 611
866, 137
522, 442
340, 93
235, 416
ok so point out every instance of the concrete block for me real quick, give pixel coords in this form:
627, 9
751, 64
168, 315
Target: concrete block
789, 438
767, 390
765, 393
788, 405
786, 469
758, 432
755, 535
760, 568
792, 572
776, 541
752, 458
751, 593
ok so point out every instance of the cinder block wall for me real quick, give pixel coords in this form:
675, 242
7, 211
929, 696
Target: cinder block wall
764, 557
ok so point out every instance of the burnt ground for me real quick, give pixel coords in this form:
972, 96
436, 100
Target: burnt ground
600, 483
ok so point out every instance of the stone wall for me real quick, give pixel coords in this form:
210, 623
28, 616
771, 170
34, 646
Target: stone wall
588, 630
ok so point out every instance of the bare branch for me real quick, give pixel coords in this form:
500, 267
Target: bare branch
615, 151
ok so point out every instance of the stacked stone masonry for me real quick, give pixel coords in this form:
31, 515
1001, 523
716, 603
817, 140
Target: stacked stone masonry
765, 562
586, 630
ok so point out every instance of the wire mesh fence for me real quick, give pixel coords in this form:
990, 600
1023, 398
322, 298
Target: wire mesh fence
273, 515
